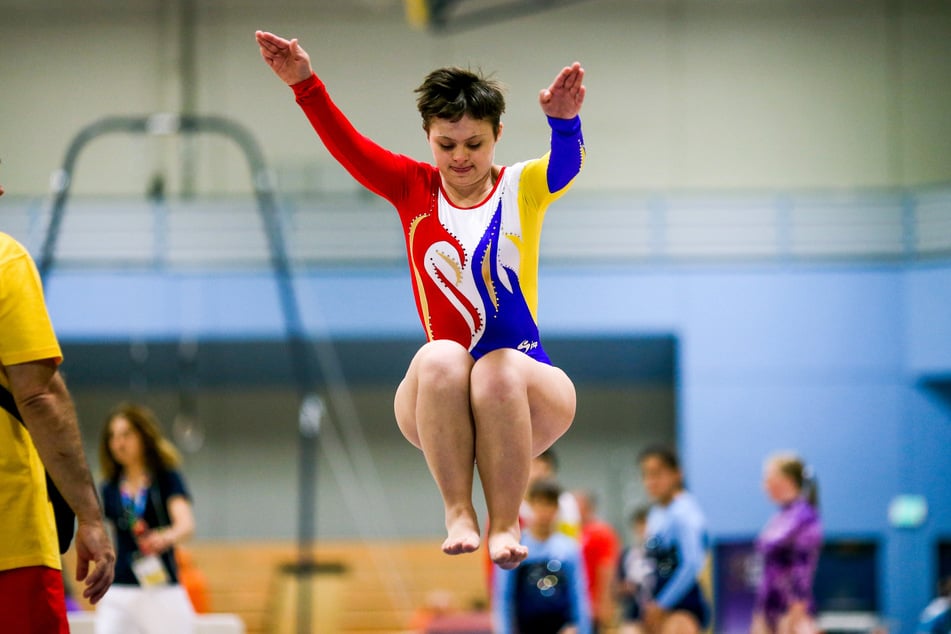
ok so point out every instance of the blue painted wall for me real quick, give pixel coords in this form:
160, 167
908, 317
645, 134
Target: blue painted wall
848, 364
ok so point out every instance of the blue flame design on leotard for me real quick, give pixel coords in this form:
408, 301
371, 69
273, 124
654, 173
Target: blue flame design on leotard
508, 320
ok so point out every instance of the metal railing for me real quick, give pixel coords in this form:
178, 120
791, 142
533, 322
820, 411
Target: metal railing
630, 228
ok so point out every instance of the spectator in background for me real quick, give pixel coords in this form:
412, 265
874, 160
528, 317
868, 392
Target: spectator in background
936, 619
789, 546
547, 593
568, 520
145, 498
599, 547
676, 548
634, 575
32, 392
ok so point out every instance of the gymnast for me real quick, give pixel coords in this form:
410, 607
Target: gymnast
481, 391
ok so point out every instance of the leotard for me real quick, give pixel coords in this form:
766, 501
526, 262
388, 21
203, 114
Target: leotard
474, 270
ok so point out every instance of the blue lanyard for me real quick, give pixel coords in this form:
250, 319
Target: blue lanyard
134, 506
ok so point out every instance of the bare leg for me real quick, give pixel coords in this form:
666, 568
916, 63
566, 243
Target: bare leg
520, 407
433, 412
680, 623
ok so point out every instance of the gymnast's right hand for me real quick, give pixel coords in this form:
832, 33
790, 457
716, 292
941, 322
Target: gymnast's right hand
285, 57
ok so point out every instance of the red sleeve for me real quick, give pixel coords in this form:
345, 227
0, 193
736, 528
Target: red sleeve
383, 172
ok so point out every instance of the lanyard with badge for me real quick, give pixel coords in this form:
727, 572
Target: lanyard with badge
146, 566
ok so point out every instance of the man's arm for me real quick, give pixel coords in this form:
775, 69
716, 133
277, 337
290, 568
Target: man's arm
50, 417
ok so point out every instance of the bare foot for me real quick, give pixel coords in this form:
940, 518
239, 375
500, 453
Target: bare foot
463, 532
505, 549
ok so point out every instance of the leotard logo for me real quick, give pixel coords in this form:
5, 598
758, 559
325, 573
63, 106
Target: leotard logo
527, 345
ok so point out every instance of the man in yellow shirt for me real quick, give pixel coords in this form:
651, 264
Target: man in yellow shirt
31, 584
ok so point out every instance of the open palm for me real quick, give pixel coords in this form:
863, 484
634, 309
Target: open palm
286, 58
563, 99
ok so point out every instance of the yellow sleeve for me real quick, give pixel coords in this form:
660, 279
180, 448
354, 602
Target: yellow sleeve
24, 321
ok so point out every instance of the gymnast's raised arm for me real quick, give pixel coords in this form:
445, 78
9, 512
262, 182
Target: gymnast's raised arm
564, 97
286, 58
376, 168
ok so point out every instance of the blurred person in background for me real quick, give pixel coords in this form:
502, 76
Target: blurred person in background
634, 587
568, 521
599, 547
676, 548
39, 435
789, 547
145, 498
936, 618
547, 593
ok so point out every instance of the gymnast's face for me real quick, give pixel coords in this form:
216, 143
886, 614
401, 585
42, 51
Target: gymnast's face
463, 151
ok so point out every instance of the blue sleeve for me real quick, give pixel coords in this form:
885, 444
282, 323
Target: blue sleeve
580, 607
689, 533
503, 602
567, 152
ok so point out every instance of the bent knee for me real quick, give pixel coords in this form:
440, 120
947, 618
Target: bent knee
496, 376
442, 363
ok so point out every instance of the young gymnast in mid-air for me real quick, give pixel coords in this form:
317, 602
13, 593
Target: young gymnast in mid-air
482, 390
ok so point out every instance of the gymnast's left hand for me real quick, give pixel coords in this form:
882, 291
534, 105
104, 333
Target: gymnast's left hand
563, 99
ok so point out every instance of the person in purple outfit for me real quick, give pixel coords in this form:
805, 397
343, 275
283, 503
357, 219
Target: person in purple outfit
789, 546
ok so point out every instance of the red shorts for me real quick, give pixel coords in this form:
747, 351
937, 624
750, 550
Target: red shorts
32, 601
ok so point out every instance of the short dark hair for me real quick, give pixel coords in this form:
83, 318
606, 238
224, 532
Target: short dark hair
544, 490
451, 93
639, 515
663, 453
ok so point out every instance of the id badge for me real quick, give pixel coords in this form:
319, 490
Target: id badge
149, 571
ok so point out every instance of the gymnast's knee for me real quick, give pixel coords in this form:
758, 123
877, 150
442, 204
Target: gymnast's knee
496, 377
442, 364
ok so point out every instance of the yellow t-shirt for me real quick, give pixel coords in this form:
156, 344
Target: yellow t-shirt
27, 525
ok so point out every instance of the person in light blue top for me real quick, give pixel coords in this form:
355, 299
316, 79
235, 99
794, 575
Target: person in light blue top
676, 548
548, 592
936, 618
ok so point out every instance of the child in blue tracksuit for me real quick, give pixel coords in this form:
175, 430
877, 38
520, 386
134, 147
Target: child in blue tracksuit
676, 546
548, 591
936, 619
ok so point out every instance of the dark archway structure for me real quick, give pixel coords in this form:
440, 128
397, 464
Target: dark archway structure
300, 351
